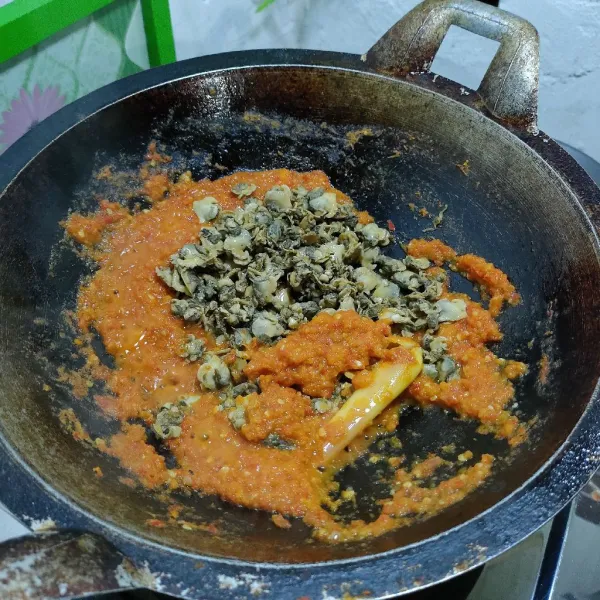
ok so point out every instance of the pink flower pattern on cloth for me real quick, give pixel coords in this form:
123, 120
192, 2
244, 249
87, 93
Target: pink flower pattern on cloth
28, 110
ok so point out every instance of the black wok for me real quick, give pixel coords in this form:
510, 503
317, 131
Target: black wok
525, 205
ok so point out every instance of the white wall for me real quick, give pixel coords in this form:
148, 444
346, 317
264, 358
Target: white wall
569, 30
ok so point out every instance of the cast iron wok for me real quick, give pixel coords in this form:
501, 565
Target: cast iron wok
388, 133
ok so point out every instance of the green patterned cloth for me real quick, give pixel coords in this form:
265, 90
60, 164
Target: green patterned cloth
98, 50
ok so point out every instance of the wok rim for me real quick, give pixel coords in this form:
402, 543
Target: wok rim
401, 570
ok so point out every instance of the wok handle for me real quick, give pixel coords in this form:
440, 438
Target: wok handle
64, 564
509, 88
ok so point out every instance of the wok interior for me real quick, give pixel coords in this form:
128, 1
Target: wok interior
511, 209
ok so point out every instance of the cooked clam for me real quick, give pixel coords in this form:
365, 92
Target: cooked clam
207, 209
243, 189
324, 205
451, 310
213, 373
279, 197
